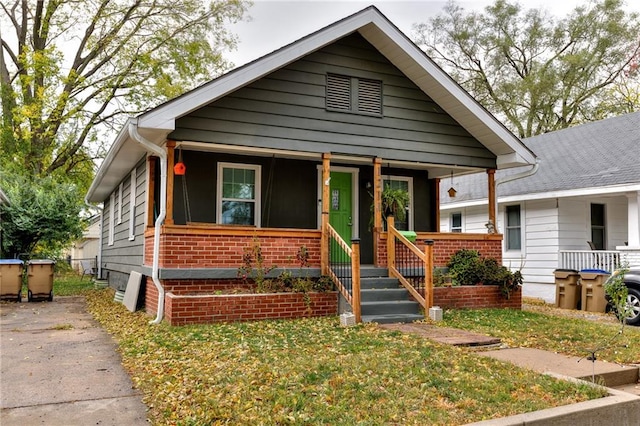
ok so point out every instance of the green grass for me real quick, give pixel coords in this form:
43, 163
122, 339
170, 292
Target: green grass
71, 284
572, 336
311, 371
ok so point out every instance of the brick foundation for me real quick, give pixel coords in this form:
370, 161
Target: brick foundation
474, 297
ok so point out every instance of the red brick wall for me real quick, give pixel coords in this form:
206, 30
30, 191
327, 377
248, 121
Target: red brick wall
199, 309
446, 244
475, 296
216, 249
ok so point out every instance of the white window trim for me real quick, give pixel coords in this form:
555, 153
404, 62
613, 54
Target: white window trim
120, 203
461, 222
132, 205
112, 215
410, 186
521, 250
258, 189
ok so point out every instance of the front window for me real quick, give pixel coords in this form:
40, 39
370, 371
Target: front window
238, 194
405, 184
514, 230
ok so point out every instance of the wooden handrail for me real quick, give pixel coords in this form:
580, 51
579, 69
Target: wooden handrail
426, 257
353, 252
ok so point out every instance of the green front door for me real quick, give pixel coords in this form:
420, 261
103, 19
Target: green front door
340, 208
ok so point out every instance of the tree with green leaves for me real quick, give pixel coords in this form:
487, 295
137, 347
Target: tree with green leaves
536, 72
70, 71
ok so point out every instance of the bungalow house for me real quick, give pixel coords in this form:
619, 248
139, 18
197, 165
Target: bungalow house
291, 150
579, 210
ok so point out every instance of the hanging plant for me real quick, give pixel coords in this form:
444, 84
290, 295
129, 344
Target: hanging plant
395, 201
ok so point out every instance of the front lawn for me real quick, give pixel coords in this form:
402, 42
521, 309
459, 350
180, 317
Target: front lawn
311, 371
552, 332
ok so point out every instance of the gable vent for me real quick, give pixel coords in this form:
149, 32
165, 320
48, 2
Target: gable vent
370, 96
338, 92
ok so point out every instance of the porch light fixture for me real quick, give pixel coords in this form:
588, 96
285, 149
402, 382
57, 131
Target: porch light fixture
452, 191
179, 169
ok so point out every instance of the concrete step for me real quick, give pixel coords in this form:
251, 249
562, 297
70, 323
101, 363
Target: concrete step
367, 271
632, 388
390, 307
392, 318
382, 294
379, 282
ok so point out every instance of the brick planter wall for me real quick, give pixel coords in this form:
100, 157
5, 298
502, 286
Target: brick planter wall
446, 244
207, 308
475, 296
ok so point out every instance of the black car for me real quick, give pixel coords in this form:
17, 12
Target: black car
632, 281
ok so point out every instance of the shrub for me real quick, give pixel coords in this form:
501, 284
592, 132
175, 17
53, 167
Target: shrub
468, 268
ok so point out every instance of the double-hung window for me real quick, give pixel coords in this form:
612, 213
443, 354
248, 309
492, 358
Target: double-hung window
598, 226
514, 228
456, 222
112, 218
238, 194
405, 184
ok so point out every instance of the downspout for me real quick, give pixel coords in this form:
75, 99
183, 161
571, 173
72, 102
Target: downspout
150, 146
511, 178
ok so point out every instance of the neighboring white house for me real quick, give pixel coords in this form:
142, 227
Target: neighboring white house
86, 248
586, 190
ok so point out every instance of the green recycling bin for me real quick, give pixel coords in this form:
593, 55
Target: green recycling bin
409, 235
40, 279
567, 288
592, 284
11, 279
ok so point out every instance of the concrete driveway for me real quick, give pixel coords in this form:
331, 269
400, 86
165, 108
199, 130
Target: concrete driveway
58, 367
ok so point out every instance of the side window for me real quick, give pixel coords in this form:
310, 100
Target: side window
112, 216
598, 226
405, 184
120, 203
132, 206
514, 228
238, 194
456, 222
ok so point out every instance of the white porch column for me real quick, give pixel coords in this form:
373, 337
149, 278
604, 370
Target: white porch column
631, 252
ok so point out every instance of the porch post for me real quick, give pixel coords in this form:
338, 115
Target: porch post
151, 193
171, 145
377, 207
391, 246
324, 238
355, 275
492, 200
428, 273
437, 200
633, 208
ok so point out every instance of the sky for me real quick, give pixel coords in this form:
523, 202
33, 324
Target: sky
276, 23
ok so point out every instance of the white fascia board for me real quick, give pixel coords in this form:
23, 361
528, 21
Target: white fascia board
582, 192
463, 204
164, 116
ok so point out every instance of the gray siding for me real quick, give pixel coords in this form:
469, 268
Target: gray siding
286, 110
125, 255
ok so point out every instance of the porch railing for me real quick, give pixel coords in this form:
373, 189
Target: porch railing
344, 269
607, 260
412, 267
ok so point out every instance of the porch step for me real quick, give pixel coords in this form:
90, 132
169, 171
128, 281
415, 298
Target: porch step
391, 318
384, 300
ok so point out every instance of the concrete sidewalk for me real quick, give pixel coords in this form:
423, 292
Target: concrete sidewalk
59, 367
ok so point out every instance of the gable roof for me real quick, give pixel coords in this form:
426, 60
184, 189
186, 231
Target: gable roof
157, 123
593, 158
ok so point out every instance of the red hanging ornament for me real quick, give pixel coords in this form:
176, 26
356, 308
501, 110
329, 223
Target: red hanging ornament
179, 169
